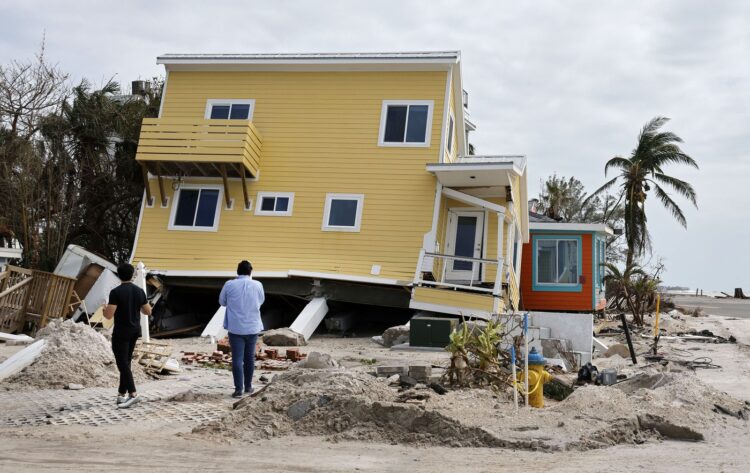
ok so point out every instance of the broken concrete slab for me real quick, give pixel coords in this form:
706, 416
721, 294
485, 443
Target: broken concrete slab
22, 359
283, 337
9, 337
395, 335
618, 349
310, 317
388, 371
420, 372
318, 361
215, 328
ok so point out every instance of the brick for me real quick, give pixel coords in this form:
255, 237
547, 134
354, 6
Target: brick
272, 353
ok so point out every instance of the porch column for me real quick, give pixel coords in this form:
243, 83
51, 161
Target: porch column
498, 287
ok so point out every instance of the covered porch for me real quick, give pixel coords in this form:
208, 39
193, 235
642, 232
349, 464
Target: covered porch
470, 261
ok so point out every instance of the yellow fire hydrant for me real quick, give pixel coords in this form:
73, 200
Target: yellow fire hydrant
537, 378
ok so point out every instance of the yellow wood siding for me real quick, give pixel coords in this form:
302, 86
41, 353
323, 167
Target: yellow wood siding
467, 300
320, 135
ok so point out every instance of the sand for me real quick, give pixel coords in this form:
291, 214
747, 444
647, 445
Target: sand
74, 353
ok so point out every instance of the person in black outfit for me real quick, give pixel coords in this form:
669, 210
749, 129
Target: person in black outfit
126, 302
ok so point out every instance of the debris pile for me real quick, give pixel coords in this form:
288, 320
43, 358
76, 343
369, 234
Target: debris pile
270, 358
74, 353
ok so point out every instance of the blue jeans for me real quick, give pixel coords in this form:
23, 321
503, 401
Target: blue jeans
243, 360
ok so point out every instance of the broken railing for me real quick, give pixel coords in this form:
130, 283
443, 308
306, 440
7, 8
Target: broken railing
35, 296
484, 275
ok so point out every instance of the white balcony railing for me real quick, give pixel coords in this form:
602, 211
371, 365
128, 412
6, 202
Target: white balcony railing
439, 268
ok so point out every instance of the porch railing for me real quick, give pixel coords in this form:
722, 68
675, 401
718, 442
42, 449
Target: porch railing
479, 266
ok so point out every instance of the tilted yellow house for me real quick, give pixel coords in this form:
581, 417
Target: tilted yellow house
345, 176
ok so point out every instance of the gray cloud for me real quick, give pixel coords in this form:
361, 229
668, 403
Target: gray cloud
567, 83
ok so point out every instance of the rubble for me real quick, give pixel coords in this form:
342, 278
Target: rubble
283, 337
73, 353
396, 335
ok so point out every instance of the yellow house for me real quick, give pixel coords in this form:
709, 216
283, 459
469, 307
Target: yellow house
344, 176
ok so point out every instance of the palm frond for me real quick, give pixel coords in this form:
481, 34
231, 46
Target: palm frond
617, 162
683, 188
600, 190
670, 205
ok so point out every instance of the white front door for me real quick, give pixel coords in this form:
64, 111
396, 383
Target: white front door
465, 236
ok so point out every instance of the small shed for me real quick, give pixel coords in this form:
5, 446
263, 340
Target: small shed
562, 266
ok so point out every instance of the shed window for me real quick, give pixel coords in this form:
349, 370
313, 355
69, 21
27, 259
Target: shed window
557, 262
406, 124
343, 212
196, 209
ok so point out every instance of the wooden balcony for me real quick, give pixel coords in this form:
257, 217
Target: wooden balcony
199, 148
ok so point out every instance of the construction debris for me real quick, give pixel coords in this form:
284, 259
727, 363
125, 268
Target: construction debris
283, 337
396, 335
69, 352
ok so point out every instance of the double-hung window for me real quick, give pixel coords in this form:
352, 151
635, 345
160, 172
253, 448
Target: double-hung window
406, 123
197, 209
343, 212
275, 203
557, 263
230, 109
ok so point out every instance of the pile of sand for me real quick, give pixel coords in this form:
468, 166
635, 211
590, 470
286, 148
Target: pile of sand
349, 405
74, 353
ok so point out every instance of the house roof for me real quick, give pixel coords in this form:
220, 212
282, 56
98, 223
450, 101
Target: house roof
571, 227
539, 218
448, 57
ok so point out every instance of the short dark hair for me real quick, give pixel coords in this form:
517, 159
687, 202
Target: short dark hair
244, 268
125, 272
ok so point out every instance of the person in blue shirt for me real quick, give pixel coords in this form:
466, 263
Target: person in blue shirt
242, 298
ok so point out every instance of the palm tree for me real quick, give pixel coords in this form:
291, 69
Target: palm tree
641, 172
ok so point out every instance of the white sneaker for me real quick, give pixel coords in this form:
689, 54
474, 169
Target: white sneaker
129, 402
121, 399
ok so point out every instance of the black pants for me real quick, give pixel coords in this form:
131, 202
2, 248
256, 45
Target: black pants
123, 347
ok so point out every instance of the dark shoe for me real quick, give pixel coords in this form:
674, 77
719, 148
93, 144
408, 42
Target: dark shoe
237, 394
249, 390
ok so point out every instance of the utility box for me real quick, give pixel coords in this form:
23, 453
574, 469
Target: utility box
431, 331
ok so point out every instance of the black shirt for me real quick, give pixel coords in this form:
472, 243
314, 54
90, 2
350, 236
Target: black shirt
129, 299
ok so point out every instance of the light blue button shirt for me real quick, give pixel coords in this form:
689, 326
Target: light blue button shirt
242, 297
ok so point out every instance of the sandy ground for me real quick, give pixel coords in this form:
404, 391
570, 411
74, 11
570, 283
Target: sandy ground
162, 446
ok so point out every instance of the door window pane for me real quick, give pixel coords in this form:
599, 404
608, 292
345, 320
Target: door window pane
343, 213
207, 208
466, 234
450, 134
220, 112
186, 207
395, 123
417, 129
240, 111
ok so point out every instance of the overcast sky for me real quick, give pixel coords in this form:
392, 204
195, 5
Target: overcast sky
567, 83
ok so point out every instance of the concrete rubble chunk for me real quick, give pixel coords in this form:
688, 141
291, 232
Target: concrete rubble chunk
317, 361
74, 386
420, 372
618, 349
395, 335
388, 371
283, 337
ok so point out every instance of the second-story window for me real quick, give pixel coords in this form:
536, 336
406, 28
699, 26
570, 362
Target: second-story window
230, 109
406, 123
197, 208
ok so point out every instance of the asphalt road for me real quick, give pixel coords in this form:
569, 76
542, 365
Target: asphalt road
725, 307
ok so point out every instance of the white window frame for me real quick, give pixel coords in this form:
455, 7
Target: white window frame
285, 213
217, 215
330, 197
384, 115
211, 102
450, 135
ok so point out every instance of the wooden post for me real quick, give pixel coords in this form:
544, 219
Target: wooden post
244, 186
227, 197
627, 338
161, 185
147, 185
